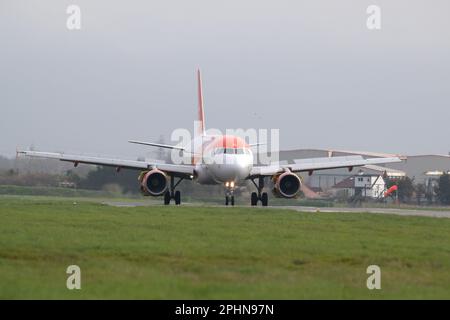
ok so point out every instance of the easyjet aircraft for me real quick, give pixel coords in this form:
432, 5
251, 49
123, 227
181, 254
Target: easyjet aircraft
222, 159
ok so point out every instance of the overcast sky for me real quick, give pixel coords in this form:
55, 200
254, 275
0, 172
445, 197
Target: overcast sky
310, 68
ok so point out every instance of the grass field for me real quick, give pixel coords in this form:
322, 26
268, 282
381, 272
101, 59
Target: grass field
208, 252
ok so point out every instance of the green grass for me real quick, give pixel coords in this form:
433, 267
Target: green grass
204, 252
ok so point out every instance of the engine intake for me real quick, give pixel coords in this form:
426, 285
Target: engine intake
154, 183
286, 185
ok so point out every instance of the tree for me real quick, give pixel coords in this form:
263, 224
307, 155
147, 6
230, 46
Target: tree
71, 176
405, 188
97, 179
420, 192
443, 189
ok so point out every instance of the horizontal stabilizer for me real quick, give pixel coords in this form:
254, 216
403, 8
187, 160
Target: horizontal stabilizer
159, 145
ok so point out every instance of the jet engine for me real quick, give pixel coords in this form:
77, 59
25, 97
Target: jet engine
154, 182
286, 185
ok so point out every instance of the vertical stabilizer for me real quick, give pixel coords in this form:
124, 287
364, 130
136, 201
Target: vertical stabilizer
201, 113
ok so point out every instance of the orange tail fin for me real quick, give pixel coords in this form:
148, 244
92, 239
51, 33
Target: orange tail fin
201, 113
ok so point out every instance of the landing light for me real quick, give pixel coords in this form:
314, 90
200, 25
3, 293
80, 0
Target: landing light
227, 184
232, 184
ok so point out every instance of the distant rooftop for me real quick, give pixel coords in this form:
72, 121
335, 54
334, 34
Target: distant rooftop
389, 171
331, 153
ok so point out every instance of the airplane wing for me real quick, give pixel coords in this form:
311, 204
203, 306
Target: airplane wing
313, 164
173, 169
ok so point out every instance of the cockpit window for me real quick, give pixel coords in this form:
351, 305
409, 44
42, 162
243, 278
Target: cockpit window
231, 151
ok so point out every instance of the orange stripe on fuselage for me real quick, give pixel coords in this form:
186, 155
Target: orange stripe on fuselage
226, 141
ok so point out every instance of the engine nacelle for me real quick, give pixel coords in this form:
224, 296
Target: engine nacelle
154, 182
286, 185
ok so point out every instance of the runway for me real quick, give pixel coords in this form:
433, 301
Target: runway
436, 213
400, 212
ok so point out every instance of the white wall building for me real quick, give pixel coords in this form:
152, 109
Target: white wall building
360, 185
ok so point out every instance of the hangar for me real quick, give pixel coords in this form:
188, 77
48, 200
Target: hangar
417, 167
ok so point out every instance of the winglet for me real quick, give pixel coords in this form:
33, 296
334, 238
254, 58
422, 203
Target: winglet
201, 112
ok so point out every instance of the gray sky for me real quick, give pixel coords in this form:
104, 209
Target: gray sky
310, 68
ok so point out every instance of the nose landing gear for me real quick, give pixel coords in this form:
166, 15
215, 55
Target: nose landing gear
229, 193
261, 196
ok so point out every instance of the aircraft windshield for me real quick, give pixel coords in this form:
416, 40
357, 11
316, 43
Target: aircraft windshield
231, 151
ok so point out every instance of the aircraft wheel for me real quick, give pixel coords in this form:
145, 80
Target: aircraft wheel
264, 199
253, 199
166, 198
232, 200
227, 200
177, 197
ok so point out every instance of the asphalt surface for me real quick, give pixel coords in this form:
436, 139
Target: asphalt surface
401, 212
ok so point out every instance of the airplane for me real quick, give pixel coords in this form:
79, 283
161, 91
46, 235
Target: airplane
222, 159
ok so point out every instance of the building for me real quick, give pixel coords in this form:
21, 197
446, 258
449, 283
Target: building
432, 182
362, 185
415, 167
323, 180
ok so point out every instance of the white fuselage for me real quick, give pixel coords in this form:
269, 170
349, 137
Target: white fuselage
231, 167
218, 165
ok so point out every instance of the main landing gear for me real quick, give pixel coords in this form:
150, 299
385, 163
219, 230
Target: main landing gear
171, 193
261, 196
229, 193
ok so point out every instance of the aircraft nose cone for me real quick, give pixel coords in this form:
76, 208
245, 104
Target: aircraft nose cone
233, 168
